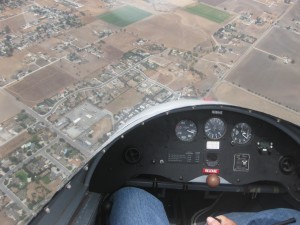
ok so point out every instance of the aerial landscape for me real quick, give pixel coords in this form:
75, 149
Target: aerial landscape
72, 72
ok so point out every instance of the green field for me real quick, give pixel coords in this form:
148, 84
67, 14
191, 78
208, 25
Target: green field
124, 16
208, 12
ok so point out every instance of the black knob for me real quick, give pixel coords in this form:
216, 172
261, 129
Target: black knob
287, 164
132, 155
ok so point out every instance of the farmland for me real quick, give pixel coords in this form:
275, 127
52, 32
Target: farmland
180, 34
227, 92
8, 108
124, 16
266, 78
209, 13
40, 85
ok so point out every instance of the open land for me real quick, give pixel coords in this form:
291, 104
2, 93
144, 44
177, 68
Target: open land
40, 85
92, 8
122, 41
47, 48
10, 146
36, 191
282, 43
91, 63
160, 6
14, 23
5, 65
200, 86
5, 220
102, 127
46, 3
124, 16
200, 24
127, 100
271, 79
208, 12
8, 108
180, 3
163, 78
179, 35
85, 34
213, 2
255, 7
227, 93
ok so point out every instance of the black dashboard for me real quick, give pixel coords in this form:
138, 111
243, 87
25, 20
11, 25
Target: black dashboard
184, 145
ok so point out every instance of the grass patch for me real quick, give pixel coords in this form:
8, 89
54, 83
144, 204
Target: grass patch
46, 179
208, 12
22, 175
124, 16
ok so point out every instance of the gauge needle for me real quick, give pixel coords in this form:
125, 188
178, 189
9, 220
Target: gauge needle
244, 134
191, 131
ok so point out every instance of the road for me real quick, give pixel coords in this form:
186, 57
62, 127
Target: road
28, 74
13, 197
60, 134
40, 118
41, 152
249, 50
55, 162
93, 88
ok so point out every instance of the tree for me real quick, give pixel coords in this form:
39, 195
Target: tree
7, 29
272, 57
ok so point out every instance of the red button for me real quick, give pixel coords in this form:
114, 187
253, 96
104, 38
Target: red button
210, 171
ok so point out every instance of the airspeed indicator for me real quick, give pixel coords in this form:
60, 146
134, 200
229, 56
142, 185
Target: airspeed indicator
241, 133
214, 128
186, 130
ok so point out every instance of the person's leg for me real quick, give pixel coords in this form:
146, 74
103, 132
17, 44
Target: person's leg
266, 217
133, 206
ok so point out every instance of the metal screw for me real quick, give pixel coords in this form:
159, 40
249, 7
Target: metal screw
68, 186
47, 210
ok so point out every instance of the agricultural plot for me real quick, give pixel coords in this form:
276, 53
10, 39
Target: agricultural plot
40, 85
124, 16
208, 12
271, 79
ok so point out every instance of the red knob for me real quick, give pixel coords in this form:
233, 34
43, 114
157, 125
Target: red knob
213, 180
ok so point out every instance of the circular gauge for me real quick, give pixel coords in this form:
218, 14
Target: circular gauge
241, 133
186, 130
214, 128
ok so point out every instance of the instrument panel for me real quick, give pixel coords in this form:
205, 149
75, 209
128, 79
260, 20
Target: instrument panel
185, 145
215, 129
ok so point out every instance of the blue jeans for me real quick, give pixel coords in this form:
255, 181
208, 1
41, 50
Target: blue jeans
133, 206
266, 217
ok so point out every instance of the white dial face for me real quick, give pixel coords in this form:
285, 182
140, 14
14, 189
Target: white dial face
241, 133
214, 128
186, 130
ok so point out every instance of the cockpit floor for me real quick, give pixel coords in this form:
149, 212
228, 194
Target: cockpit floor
193, 207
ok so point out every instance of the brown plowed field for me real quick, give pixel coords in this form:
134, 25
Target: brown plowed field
41, 85
16, 142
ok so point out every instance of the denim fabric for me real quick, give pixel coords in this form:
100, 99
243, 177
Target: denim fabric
133, 206
266, 217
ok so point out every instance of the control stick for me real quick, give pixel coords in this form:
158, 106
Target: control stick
213, 180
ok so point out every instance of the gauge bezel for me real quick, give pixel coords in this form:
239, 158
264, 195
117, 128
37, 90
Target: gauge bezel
223, 132
190, 139
247, 140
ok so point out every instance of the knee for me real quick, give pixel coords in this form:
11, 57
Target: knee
130, 192
131, 196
